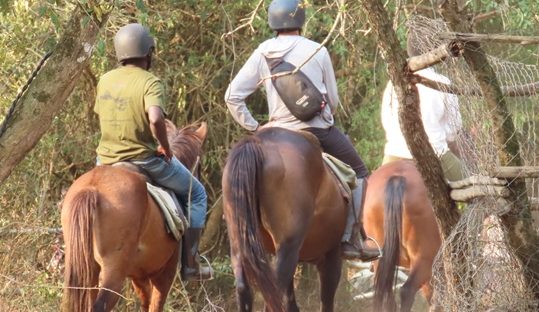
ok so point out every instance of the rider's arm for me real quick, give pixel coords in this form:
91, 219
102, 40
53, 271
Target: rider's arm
330, 81
243, 85
159, 129
153, 104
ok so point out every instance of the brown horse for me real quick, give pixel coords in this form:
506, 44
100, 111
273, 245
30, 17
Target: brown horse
113, 230
402, 218
280, 198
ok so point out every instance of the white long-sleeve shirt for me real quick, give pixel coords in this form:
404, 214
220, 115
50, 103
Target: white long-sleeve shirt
296, 49
439, 113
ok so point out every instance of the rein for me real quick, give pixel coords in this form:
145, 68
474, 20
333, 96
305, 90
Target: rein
11, 110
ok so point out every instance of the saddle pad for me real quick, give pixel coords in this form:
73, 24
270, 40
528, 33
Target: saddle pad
174, 217
345, 174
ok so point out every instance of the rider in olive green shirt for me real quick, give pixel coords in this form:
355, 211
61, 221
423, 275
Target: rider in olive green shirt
122, 109
129, 103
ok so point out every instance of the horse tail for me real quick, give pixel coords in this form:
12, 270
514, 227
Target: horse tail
384, 280
244, 171
81, 270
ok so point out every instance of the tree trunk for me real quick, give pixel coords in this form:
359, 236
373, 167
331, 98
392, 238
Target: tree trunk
518, 222
30, 116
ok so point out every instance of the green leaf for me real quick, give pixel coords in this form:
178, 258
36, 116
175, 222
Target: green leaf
140, 5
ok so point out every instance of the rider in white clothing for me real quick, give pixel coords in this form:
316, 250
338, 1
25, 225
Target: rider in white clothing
439, 113
286, 18
440, 116
295, 49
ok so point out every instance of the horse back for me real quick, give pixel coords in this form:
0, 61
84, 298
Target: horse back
300, 198
421, 238
129, 231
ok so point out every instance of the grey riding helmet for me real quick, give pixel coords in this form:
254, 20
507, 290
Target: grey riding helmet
133, 41
286, 14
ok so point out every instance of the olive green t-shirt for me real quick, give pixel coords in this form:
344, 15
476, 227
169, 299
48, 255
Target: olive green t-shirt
123, 98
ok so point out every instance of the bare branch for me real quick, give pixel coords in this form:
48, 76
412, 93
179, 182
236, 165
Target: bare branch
522, 90
476, 180
248, 23
516, 172
471, 37
484, 16
466, 194
452, 49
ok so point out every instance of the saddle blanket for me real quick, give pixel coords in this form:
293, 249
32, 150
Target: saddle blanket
344, 173
174, 217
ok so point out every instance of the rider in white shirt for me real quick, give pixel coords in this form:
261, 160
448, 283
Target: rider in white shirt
441, 119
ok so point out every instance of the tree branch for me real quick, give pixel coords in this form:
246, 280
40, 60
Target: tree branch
471, 37
484, 16
529, 89
248, 23
516, 172
451, 49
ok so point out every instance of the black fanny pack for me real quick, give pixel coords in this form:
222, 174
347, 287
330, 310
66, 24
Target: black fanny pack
297, 91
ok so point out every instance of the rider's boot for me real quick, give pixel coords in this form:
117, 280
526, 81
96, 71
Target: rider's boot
353, 245
191, 269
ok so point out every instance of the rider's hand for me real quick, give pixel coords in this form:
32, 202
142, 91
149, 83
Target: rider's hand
165, 152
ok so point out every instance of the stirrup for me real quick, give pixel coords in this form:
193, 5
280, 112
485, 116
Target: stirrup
377, 246
192, 275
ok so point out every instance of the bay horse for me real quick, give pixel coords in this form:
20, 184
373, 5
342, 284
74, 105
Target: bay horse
398, 212
280, 198
113, 230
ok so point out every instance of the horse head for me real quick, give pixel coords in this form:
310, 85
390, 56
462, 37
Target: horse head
186, 143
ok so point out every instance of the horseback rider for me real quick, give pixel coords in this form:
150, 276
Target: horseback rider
440, 115
130, 105
286, 18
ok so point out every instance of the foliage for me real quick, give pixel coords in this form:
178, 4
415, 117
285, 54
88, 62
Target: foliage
197, 54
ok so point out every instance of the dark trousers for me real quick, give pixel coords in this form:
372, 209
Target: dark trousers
338, 145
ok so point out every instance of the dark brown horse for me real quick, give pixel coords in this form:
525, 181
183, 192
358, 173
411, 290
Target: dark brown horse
114, 230
398, 213
280, 198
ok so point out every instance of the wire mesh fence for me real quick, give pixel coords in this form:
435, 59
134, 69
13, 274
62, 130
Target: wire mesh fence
490, 276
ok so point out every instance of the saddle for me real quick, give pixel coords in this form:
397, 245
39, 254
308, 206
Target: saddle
345, 175
173, 212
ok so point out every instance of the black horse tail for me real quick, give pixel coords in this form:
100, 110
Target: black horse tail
384, 280
243, 174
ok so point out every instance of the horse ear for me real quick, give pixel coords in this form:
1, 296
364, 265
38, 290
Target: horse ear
171, 128
202, 131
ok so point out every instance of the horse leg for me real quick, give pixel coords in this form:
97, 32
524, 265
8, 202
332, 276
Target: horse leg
427, 292
290, 299
329, 271
110, 286
419, 275
143, 289
162, 283
287, 260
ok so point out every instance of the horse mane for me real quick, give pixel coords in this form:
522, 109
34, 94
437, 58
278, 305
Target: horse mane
184, 143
